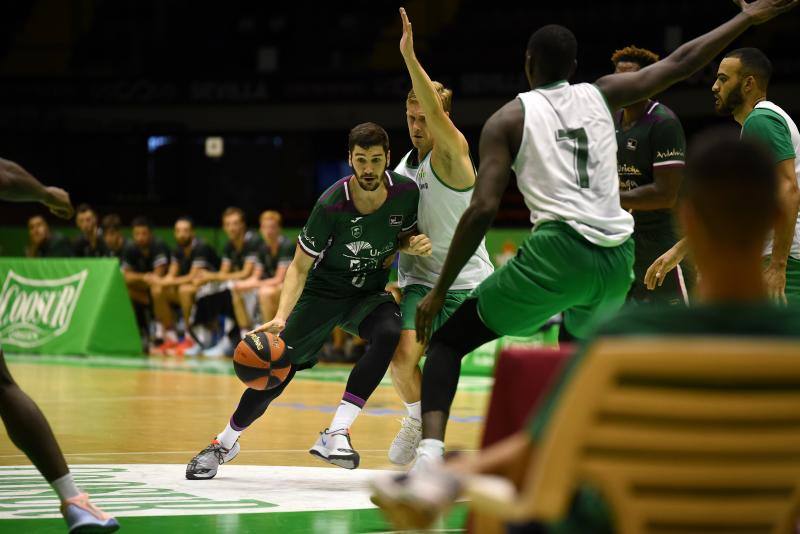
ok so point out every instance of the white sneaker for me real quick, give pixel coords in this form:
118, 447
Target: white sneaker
224, 347
205, 464
335, 448
404, 447
415, 500
427, 461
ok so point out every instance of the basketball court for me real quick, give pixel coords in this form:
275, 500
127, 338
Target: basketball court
128, 426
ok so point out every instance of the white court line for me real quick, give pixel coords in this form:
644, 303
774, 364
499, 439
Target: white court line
189, 452
134, 398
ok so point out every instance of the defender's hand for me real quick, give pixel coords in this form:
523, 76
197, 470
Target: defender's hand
407, 40
419, 245
761, 11
58, 202
427, 310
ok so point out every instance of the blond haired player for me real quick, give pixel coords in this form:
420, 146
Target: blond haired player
440, 163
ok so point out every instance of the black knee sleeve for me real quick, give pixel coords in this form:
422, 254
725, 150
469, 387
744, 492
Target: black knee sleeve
458, 336
381, 329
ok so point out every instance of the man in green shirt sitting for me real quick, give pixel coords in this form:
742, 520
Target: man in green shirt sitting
727, 208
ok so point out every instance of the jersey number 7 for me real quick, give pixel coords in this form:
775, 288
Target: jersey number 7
580, 152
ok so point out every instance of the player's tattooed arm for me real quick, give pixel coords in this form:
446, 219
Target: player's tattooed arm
445, 134
18, 185
628, 87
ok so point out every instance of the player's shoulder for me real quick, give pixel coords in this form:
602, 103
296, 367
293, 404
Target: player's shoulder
402, 188
402, 181
252, 242
763, 116
336, 194
662, 113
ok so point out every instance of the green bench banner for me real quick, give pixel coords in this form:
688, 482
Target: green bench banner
66, 306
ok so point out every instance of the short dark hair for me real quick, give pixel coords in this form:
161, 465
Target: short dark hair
111, 223
554, 50
233, 210
755, 63
141, 220
185, 218
84, 207
42, 217
732, 186
633, 54
366, 135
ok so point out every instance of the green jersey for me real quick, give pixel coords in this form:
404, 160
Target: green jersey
655, 140
350, 247
772, 126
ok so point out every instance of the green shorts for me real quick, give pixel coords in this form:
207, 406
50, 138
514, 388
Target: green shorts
556, 270
651, 243
413, 293
313, 319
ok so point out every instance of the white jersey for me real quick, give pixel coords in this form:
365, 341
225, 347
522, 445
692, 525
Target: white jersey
795, 135
566, 166
405, 167
440, 209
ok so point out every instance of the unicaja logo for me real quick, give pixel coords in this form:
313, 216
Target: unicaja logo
33, 312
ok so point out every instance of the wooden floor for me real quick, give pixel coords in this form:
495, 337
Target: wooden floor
129, 426
126, 416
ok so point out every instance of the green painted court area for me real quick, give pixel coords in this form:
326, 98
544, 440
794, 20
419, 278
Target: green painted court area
156, 498
334, 522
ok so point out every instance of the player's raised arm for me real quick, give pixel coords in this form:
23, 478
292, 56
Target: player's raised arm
446, 136
628, 87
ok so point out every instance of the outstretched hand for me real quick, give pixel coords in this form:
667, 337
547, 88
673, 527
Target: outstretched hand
407, 40
760, 11
59, 203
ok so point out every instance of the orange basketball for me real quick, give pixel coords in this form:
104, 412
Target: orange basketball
259, 361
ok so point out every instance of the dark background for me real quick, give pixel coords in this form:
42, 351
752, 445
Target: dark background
113, 100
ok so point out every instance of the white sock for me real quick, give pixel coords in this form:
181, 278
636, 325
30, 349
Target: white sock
228, 437
228, 325
65, 487
414, 410
170, 335
433, 446
202, 334
345, 414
